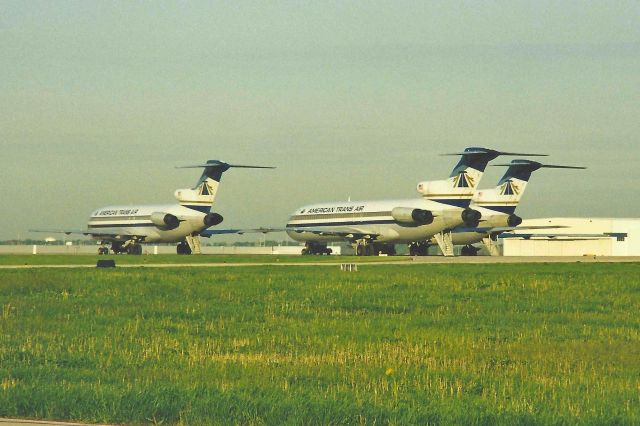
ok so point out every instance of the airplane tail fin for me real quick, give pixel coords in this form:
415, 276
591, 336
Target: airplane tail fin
504, 198
459, 188
202, 195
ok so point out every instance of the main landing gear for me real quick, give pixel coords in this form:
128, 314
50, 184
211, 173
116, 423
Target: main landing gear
312, 248
469, 250
419, 248
135, 249
129, 247
366, 247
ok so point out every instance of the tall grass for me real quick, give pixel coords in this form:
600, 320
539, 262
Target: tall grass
423, 344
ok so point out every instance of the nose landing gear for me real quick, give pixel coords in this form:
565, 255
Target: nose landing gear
129, 247
312, 248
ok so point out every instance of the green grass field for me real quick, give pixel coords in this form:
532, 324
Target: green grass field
405, 344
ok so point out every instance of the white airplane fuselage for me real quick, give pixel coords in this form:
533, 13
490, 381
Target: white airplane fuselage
373, 217
137, 220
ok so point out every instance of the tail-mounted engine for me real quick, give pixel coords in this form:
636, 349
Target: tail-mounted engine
165, 221
501, 220
433, 187
456, 191
411, 216
514, 220
212, 219
471, 217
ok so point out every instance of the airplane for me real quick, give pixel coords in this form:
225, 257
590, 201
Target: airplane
127, 227
375, 226
497, 206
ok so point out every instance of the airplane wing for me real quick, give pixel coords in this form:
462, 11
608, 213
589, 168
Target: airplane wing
103, 232
343, 232
619, 236
350, 233
500, 229
61, 231
211, 232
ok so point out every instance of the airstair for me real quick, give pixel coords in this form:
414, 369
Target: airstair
194, 244
492, 246
444, 240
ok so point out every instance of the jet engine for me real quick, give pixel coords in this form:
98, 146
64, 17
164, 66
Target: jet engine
471, 217
165, 221
427, 188
503, 220
212, 219
412, 216
514, 220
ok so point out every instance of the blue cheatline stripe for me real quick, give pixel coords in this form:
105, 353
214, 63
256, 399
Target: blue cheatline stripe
121, 225
501, 209
456, 202
351, 222
201, 209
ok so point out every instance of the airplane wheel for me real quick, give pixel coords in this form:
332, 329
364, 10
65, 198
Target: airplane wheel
183, 248
103, 251
469, 251
416, 249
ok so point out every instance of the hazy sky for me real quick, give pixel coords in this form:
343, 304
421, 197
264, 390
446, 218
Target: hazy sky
100, 100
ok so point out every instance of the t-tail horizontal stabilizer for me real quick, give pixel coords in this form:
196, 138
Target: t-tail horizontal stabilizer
505, 197
522, 169
202, 195
214, 169
461, 185
478, 158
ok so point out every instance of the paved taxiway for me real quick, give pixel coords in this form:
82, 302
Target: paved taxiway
400, 261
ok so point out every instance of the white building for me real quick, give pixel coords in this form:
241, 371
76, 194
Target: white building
583, 237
